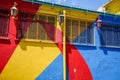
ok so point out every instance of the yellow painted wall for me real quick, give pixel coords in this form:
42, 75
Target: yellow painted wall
73, 14
113, 7
29, 60
69, 13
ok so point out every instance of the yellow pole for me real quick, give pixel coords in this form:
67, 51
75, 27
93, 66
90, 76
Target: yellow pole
64, 45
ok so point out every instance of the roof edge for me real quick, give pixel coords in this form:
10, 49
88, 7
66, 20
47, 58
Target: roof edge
69, 7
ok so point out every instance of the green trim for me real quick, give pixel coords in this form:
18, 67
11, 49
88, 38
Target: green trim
69, 7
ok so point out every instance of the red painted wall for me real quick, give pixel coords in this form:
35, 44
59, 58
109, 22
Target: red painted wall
7, 47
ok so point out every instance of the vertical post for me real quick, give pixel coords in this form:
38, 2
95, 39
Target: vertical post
64, 45
37, 26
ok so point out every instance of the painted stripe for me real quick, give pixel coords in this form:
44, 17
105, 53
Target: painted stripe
54, 71
29, 60
77, 67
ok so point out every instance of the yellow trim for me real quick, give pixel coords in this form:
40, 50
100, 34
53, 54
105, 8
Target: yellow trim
82, 18
27, 32
37, 28
36, 40
46, 32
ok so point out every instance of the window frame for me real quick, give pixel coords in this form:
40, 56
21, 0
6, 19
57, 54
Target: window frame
112, 32
79, 31
37, 33
7, 23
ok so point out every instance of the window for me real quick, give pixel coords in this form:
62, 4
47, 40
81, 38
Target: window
40, 27
110, 35
80, 32
47, 30
4, 23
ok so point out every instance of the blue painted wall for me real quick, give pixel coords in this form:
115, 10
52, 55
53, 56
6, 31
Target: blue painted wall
54, 71
104, 62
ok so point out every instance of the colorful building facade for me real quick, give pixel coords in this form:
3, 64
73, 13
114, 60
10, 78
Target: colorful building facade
113, 6
35, 46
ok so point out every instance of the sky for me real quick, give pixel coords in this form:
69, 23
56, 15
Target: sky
85, 4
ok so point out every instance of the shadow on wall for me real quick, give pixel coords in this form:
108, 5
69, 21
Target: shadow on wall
25, 44
107, 49
5, 41
85, 47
